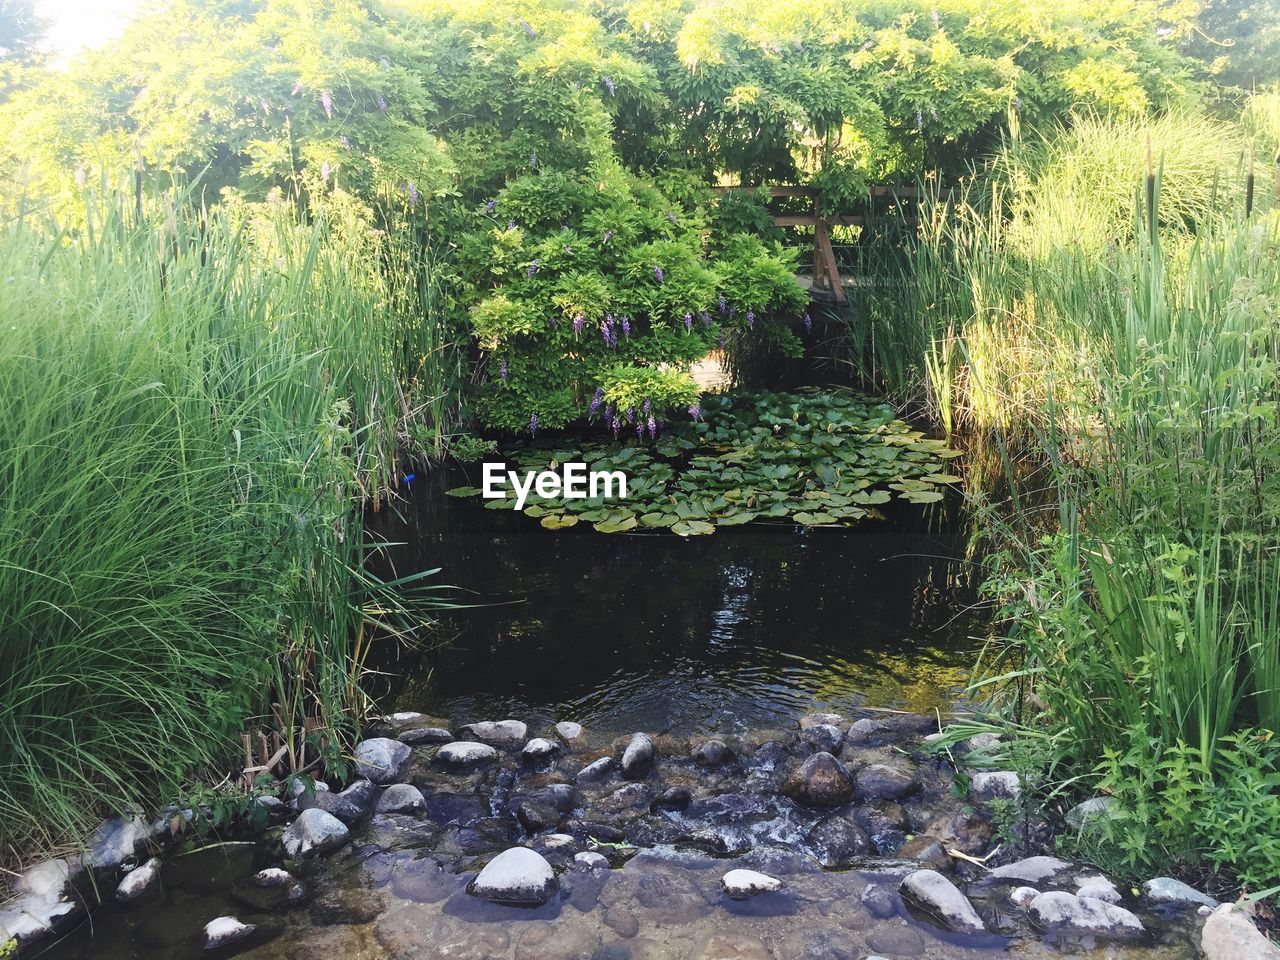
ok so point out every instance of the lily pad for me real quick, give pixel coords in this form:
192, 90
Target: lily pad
559, 521
692, 528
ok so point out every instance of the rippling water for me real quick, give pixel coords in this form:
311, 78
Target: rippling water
648, 631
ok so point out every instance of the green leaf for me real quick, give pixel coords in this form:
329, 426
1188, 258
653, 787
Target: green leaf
559, 521
464, 492
692, 528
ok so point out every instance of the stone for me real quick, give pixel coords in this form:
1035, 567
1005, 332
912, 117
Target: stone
992, 785
1065, 914
31, 918
222, 932
341, 906
381, 759
941, 899
926, 849
823, 737
465, 755
673, 798
516, 877
638, 758
498, 733
864, 730
837, 841
313, 833
1229, 934
879, 901
879, 781
401, 798
712, 753
743, 884
1095, 808
1099, 888
116, 842
592, 860
46, 880
622, 922
271, 877
1030, 870
422, 736
626, 797
350, 806
570, 733
540, 750
536, 817
140, 882
362, 795
1023, 896
829, 719
983, 741
821, 781
728, 807
597, 769
1167, 890
733, 946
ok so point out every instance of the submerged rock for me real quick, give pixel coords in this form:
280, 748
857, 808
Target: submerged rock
837, 841
712, 753
743, 884
1063, 913
401, 798
673, 798
465, 755
381, 759
865, 730
1229, 934
597, 769
879, 781
140, 882
1167, 890
313, 833
425, 735
941, 899
821, 781
498, 733
823, 737
516, 877
569, 732
638, 758
1030, 870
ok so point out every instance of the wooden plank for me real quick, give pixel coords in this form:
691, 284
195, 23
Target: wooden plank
809, 220
824, 263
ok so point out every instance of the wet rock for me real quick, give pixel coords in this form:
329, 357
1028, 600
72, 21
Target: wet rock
968, 833
1023, 896
638, 758
733, 946
401, 798
879, 781
31, 918
381, 759
422, 880
592, 860
1031, 870
1167, 890
542, 940
866, 730
1099, 888
222, 932
939, 897
621, 921
1095, 808
1229, 934
313, 833
46, 880
597, 770
517, 877
1065, 914
463, 755
744, 884
837, 841
826, 719
879, 901
728, 807
673, 798
712, 754
345, 905
626, 797
115, 843
498, 733
821, 781
571, 734
424, 736
720, 841
140, 882
536, 817
449, 808
596, 830
822, 737
350, 806
896, 942
406, 721
770, 755
362, 795
269, 890
539, 750
885, 823
926, 849
991, 785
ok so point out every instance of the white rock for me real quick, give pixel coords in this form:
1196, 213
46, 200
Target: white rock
539, 749
519, 876
46, 880
1031, 870
502, 733
224, 931
992, 785
1022, 896
401, 798
115, 842
1096, 808
1100, 888
137, 883
937, 895
1169, 890
1064, 913
598, 769
381, 759
637, 759
313, 833
592, 860
568, 731
272, 877
554, 841
1229, 934
980, 741
465, 753
744, 884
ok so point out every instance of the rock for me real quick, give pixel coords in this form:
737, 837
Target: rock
822, 737
1229, 934
1023, 896
222, 932
536, 817
983, 741
498, 733
425, 735
46, 880
401, 798
626, 797
879, 901
712, 754
1096, 808
115, 842
622, 922
350, 806
597, 770
940, 898
592, 860
381, 760
1065, 914
744, 884
570, 733
968, 833
828, 719
140, 882
465, 755
517, 877
879, 781
837, 841
1099, 888
271, 877
539, 750
821, 781
637, 759
728, 807
342, 906
733, 946
926, 849
992, 785
313, 833
1030, 870
1162, 890
863, 731
673, 798
31, 918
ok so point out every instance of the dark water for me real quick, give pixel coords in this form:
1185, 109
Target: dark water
649, 631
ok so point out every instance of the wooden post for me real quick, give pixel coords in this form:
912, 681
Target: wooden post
1248, 187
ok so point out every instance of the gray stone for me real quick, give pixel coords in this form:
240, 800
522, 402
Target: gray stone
830, 719
1023, 896
381, 759
638, 758
569, 732
626, 797
592, 860
271, 877
498, 733
861, 731
821, 781
313, 833
823, 736
941, 899
222, 932
992, 785
1229, 934
361, 796
1100, 888
540, 750
712, 753
1030, 870
401, 798
518, 877
836, 841
673, 798
1095, 808
597, 769
465, 755
31, 918
983, 741
879, 901
46, 880
879, 781
425, 735
116, 842
1168, 890
140, 882
744, 884
1062, 913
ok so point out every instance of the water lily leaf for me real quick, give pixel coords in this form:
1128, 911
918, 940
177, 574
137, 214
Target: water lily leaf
499, 504
658, 519
737, 518
941, 478
692, 528
464, 492
923, 496
871, 496
617, 526
814, 519
535, 511
559, 521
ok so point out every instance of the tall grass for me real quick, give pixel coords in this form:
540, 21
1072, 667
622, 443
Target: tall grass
194, 407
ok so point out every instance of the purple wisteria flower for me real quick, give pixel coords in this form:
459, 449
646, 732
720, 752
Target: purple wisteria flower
502, 369
695, 411
671, 216
555, 323
653, 428
511, 224
722, 304
640, 430
324, 172
631, 414
491, 206
617, 425
533, 267
706, 318
751, 319
413, 195
720, 341
647, 406
808, 323
919, 119
596, 399
732, 311
533, 161
326, 101
657, 272
578, 320
688, 322
382, 103
609, 85
533, 423
626, 326
608, 235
